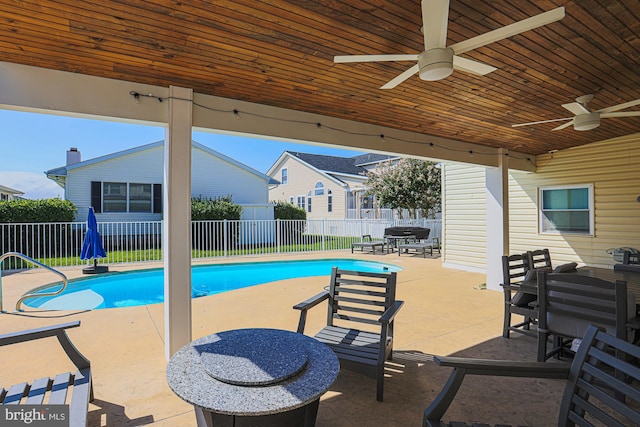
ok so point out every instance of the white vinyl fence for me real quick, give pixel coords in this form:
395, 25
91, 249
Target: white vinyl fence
60, 244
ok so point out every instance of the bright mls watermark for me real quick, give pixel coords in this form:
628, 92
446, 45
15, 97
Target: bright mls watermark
34, 415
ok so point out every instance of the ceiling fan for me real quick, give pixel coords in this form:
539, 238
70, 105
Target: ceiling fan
586, 119
438, 61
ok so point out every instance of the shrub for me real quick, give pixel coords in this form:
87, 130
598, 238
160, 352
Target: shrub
43, 210
287, 210
214, 209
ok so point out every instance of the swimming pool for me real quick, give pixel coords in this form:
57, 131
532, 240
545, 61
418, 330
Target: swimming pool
142, 287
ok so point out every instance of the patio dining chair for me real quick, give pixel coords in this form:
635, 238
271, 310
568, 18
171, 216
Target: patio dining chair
569, 303
360, 320
514, 271
539, 258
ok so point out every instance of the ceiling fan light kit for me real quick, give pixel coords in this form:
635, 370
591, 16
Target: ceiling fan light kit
435, 64
586, 121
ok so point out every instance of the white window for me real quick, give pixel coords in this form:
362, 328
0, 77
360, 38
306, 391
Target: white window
329, 201
567, 209
132, 197
309, 202
301, 200
284, 177
114, 197
319, 190
140, 197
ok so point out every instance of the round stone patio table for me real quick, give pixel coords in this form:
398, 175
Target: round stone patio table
253, 377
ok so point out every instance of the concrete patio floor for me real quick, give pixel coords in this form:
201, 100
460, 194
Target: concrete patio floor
444, 314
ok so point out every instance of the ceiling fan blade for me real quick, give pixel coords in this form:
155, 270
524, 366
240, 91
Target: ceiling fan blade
621, 114
374, 58
470, 66
566, 125
541, 121
435, 18
620, 106
400, 78
509, 30
576, 108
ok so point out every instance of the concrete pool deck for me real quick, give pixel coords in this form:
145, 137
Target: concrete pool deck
444, 314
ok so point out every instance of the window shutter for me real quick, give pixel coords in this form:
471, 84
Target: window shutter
96, 196
157, 198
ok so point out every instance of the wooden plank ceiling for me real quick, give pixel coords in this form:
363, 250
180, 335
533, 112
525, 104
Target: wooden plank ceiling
280, 53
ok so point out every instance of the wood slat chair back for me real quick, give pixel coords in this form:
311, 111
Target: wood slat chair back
360, 320
514, 270
359, 298
593, 394
540, 258
569, 303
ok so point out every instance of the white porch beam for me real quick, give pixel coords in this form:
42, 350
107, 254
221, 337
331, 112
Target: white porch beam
497, 183
177, 222
38, 90
217, 114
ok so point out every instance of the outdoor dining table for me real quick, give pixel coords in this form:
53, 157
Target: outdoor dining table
252, 377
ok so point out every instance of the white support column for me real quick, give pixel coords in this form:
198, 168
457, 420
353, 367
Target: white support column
497, 183
176, 243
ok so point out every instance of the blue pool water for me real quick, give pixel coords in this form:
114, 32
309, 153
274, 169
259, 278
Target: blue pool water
143, 287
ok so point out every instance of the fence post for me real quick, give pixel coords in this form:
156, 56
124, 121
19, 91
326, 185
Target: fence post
278, 222
225, 234
324, 228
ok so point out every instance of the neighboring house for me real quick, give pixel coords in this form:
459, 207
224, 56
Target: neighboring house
324, 186
579, 203
127, 185
7, 193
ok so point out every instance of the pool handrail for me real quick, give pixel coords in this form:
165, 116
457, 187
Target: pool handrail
30, 295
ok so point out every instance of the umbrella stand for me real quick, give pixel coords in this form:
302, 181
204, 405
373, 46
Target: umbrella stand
95, 268
92, 246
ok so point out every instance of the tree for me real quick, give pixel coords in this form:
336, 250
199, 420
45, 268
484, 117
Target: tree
410, 184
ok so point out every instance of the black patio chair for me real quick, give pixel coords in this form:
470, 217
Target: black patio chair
515, 271
362, 308
569, 303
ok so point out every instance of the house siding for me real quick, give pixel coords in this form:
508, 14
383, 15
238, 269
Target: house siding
211, 177
614, 171
144, 167
610, 166
301, 180
464, 212
214, 178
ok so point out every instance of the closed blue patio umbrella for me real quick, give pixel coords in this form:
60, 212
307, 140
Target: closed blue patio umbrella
92, 246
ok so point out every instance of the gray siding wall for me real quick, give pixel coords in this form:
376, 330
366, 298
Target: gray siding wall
211, 177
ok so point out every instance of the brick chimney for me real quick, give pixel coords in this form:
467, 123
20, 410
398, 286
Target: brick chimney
73, 156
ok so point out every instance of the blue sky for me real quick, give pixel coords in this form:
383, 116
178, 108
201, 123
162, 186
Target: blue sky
33, 143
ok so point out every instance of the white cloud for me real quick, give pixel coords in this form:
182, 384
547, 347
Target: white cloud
33, 185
